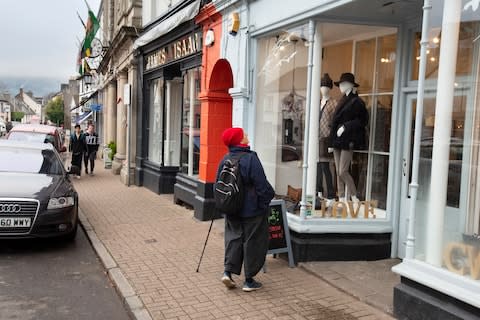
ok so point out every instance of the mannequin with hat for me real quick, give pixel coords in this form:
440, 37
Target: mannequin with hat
327, 110
347, 134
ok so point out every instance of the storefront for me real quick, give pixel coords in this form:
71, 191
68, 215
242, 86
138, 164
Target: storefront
168, 139
276, 98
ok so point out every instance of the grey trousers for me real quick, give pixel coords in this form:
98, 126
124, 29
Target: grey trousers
343, 159
246, 242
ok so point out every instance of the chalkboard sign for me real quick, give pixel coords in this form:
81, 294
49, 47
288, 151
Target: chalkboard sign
278, 232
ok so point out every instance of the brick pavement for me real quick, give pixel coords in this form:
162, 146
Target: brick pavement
157, 244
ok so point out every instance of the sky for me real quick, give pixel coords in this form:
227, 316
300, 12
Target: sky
38, 38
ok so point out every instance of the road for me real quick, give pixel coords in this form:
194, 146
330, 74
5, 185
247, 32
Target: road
42, 279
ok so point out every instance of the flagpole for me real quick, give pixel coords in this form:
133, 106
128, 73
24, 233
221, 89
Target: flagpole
88, 6
83, 23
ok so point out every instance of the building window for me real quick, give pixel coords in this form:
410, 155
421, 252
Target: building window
281, 100
372, 60
459, 247
155, 121
190, 157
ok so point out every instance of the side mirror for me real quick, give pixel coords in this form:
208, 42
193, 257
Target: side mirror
63, 149
74, 170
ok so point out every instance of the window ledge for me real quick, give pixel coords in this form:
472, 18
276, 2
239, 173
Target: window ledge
329, 225
442, 280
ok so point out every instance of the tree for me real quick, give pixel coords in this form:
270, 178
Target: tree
54, 110
17, 116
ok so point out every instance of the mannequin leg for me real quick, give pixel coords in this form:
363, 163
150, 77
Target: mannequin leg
340, 184
328, 178
320, 178
346, 157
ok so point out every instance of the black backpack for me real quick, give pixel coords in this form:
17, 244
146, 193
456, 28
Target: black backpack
229, 190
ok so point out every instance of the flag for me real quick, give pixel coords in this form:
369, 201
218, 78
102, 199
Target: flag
90, 31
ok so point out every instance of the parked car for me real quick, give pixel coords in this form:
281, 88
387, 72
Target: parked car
38, 133
37, 198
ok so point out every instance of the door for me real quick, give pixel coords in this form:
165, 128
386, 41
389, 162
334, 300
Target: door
457, 179
173, 122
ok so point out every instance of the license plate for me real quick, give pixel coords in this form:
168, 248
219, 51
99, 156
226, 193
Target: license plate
15, 222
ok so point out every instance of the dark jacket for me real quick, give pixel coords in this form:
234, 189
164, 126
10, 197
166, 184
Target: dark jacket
92, 142
77, 146
258, 191
352, 114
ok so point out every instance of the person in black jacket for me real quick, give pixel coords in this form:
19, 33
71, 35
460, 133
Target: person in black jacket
77, 147
347, 134
246, 235
91, 141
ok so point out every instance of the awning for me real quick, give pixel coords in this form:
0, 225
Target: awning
84, 116
186, 14
84, 101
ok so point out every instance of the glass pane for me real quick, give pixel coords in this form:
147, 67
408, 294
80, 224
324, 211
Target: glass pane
337, 59
191, 77
468, 34
379, 180
155, 121
359, 173
383, 123
281, 98
173, 121
365, 64
386, 62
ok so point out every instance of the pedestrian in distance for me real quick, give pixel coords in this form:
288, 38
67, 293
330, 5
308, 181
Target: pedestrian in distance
246, 231
92, 143
77, 147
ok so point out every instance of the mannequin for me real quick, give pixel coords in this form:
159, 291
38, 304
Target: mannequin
347, 134
327, 110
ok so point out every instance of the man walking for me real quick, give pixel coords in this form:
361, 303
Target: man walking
246, 234
91, 141
77, 148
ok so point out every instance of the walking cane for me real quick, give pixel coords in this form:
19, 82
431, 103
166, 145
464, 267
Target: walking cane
206, 240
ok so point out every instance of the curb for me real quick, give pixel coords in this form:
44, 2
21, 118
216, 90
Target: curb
132, 301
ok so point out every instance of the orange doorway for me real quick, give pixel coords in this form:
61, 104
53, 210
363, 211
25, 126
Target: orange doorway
216, 116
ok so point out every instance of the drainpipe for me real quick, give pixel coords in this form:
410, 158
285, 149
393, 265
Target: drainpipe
410, 245
452, 11
306, 135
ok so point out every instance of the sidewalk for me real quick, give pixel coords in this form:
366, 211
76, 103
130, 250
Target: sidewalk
157, 244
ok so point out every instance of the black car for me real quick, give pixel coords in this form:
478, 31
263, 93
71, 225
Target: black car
37, 198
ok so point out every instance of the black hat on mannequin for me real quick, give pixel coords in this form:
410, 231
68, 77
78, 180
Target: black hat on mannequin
326, 81
347, 77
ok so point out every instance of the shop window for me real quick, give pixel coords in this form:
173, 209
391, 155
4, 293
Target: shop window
155, 121
281, 101
190, 157
468, 33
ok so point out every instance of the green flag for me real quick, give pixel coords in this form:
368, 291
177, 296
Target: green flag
90, 31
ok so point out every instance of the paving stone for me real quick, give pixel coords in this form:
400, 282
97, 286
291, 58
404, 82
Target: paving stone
156, 246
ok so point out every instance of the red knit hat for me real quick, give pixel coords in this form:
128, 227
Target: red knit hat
232, 136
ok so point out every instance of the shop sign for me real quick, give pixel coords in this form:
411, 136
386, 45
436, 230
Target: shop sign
350, 209
278, 231
462, 259
174, 51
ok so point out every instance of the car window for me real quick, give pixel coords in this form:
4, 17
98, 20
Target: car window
27, 136
30, 161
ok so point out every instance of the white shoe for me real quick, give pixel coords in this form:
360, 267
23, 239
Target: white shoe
329, 202
78, 177
342, 199
355, 199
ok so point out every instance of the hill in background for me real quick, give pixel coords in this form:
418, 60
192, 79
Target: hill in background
39, 86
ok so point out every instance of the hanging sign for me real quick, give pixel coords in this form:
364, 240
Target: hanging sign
181, 48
